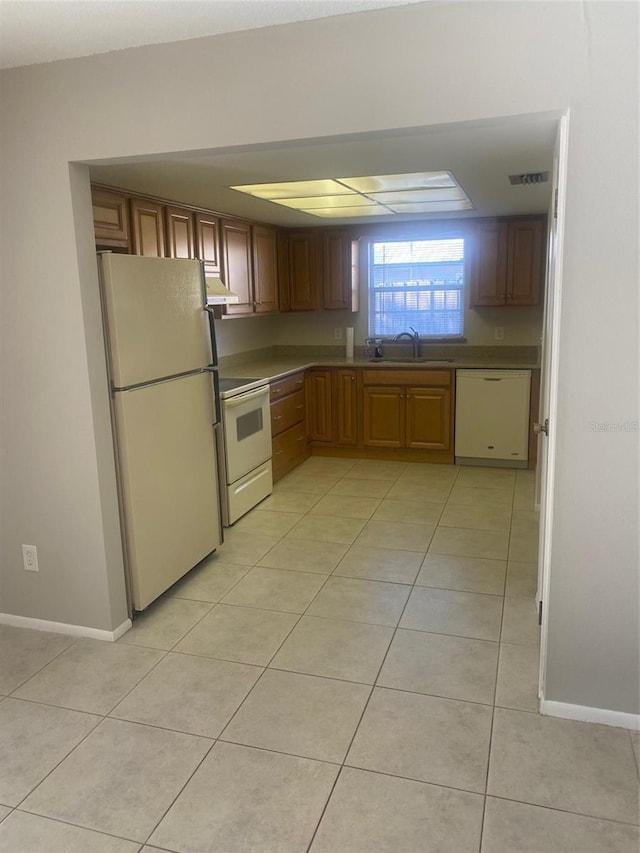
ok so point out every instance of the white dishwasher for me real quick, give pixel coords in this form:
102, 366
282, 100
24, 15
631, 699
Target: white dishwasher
492, 416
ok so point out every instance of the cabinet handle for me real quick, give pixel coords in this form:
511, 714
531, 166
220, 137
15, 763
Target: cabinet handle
277, 390
301, 438
277, 418
278, 452
300, 407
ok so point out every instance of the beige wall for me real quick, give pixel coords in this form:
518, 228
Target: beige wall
522, 327
275, 85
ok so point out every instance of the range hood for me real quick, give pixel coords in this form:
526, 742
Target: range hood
218, 294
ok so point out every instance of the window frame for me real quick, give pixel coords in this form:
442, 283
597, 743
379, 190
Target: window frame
389, 235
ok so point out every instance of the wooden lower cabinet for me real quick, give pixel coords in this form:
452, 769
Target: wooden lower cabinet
320, 405
290, 445
346, 387
428, 418
383, 413
383, 416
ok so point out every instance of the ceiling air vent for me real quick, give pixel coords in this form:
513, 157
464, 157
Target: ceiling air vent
528, 178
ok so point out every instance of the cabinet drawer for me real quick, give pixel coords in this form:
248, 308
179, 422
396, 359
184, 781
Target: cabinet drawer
290, 448
392, 376
288, 385
287, 412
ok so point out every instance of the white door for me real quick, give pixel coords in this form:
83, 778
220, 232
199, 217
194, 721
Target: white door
156, 321
549, 382
169, 481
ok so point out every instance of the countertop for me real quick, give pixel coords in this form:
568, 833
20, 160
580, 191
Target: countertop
277, 367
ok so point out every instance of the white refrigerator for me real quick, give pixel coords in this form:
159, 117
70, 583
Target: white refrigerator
162, 373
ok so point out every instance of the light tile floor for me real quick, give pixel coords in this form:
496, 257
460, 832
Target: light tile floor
354, 671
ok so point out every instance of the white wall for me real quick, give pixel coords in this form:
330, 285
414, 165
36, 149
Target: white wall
443, 63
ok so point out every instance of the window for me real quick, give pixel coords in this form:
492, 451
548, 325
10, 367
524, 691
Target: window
417, 283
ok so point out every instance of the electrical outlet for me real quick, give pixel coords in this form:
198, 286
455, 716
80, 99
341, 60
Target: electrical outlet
30, 558
498, 333
337, 333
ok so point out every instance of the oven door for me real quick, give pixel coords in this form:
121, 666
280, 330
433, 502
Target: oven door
247, 432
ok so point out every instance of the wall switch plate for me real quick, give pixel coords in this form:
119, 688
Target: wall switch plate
30, 558
337, 333
498, 333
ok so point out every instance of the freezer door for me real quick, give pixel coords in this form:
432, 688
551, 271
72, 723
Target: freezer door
168, 481
156, 322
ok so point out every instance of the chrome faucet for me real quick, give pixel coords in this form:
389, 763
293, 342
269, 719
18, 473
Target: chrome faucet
414, 338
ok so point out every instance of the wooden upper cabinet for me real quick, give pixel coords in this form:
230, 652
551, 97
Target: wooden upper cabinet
237, 264
207, 235
179, 233
303, 270
336, 269
110, 219
489, 264
507, 262
147, 228
525, 262
265, 269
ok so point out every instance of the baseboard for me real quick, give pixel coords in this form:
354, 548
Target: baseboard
586, 714
63, 628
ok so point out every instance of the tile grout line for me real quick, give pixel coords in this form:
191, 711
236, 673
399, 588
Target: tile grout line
497, 671
359, 723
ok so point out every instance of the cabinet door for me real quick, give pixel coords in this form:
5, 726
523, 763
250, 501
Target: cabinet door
428, 418
525, 267
110, 218
265, 269
489, 265
346, 407
148, 228
284, 295
207, 229
303, 271
236, 264
383, 417
319, 406
336, 269
180, 236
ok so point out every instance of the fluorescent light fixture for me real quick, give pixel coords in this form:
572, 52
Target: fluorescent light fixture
351, 200
432, 207
340, 212
372, 195
294, 189
448, 194
412, 181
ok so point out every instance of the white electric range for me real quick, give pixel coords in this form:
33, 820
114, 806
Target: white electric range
244, 448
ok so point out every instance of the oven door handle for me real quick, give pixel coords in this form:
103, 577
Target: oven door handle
232, 402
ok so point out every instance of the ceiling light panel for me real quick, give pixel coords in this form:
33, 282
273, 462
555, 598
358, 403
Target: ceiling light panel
346, 212
448, 194
412, 181
294, 189
432, 207
350, 200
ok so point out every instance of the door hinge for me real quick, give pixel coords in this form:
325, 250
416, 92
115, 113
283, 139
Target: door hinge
538, 428
540, 612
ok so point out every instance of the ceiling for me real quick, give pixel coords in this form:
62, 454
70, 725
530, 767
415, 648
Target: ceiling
35, 31
481, 155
